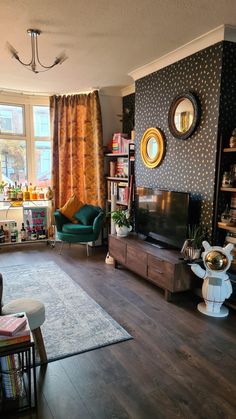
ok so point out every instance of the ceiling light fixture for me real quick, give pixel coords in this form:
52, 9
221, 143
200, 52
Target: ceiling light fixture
35, 61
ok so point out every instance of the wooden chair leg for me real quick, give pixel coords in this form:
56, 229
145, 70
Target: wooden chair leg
38, 338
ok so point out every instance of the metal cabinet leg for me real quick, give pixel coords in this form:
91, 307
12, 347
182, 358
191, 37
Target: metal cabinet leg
61, 248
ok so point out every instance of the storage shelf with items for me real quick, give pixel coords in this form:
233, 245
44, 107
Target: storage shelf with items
25, 214
17, 364
120, 179
225, 208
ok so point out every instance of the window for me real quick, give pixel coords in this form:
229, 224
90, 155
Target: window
43, 162
25, 146
11, 119
13, 161
41, 121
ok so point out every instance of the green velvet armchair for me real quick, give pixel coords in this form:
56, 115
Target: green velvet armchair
90, 221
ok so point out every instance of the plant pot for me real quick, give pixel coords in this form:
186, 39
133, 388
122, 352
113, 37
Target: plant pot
123, 231
192, 253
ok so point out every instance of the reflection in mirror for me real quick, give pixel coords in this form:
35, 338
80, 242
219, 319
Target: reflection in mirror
183, 117
152, 148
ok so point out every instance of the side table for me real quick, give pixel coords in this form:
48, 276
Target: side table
18, 377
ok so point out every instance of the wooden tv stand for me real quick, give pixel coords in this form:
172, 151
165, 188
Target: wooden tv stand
162, 267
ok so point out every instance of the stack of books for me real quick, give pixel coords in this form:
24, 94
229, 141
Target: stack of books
122, 167
14, 330
120, 143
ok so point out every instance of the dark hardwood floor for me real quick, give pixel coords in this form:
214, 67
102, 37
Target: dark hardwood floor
180, 364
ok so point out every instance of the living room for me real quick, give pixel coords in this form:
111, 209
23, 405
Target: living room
133, 342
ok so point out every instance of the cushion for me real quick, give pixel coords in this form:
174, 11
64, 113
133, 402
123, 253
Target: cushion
34, 310
71, 206
77, 229
86, 214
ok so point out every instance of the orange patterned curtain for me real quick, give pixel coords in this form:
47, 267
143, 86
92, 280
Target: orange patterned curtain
77, 165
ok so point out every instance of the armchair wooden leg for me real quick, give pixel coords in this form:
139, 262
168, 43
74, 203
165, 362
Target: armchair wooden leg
38, 338
87, 247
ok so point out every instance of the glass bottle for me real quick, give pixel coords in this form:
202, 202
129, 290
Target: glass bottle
225, 216
23, 234
2, 235
6, 233
33, 234
227, 180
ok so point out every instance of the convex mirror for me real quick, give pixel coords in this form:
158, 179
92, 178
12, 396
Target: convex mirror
152, 147
184, 115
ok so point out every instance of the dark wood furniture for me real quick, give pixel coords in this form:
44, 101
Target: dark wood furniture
162, 267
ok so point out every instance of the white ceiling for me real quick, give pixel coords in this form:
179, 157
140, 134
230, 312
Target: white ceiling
104, 39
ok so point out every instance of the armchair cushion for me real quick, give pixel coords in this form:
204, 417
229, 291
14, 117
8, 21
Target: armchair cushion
77, 229
71, 206
86, 214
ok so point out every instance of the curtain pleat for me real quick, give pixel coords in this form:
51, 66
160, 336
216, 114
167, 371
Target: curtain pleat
77, 162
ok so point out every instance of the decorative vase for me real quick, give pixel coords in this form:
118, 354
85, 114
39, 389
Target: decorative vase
123, 231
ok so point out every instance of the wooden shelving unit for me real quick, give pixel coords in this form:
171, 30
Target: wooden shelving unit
229, 150
228, 189
227, 227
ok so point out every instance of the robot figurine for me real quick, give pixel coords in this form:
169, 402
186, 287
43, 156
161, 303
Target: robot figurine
216, 285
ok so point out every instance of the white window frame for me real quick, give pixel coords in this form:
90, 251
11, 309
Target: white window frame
27, 101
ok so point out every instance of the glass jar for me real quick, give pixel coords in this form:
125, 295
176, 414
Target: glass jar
227, 180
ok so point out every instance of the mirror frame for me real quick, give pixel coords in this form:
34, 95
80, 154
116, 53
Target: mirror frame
196, 117
158, 135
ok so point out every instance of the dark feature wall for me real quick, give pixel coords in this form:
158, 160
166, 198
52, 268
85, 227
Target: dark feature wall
189, 165
128, 113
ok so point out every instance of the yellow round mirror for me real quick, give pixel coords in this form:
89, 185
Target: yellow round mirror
152, 147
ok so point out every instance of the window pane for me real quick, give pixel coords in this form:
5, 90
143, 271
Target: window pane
13, 161
41, 121
43, 162
11, 119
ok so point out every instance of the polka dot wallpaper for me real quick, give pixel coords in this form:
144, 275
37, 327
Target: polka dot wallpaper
189, 165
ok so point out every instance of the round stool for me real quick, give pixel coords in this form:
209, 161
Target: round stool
35, 312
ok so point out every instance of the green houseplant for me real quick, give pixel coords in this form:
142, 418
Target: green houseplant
122, 222
193, 244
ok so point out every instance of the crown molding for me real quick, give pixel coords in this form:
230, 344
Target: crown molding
128, 90
221, 33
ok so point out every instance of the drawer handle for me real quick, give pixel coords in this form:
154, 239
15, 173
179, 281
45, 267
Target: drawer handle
157, 270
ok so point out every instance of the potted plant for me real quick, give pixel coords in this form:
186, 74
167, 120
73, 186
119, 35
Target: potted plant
122, 222
193, 244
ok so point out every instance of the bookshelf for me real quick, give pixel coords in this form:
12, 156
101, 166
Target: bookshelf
120, 177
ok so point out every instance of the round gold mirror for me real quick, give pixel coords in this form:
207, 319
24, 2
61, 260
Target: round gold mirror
184, 115
152, 147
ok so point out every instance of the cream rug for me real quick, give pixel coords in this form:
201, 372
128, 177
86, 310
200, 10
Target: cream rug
74, 323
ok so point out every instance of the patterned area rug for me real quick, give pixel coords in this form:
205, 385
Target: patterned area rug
74, 323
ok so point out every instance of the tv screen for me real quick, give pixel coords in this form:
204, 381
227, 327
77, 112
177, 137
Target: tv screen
162, 216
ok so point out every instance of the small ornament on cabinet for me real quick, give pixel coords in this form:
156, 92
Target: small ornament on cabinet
232, 141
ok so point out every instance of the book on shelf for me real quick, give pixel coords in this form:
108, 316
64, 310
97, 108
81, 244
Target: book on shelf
11, 324
12, 384
119, 143
122, 167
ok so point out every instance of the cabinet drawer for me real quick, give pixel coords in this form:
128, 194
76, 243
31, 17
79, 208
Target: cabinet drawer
161, 272
136, 260
117, 249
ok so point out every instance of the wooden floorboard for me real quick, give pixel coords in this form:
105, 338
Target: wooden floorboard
179, 364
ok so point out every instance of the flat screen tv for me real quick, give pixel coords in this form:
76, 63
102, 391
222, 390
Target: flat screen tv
162, 216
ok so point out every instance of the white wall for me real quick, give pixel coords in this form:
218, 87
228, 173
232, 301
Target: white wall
111, 106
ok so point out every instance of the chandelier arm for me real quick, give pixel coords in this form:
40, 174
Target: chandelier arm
37, 56
25, 64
